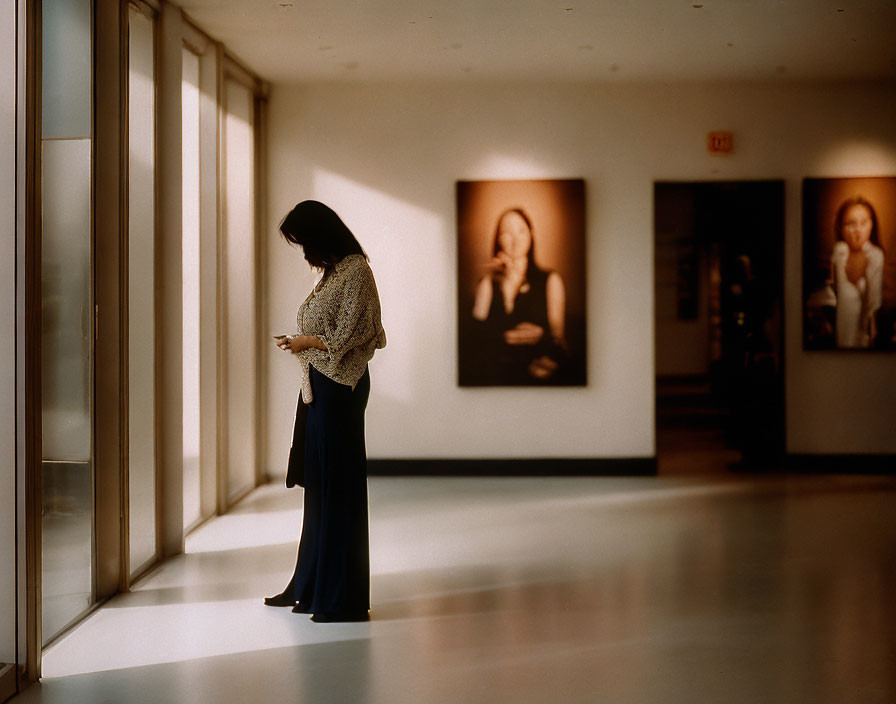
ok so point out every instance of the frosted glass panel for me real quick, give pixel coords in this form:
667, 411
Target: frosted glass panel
67, 313
67, 536
67, 309
239, 236
141, 314
190, 142
67, 544
66, 70
8, 324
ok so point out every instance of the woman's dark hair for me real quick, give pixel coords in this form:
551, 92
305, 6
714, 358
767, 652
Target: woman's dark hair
321, 234
841, 213
531, 266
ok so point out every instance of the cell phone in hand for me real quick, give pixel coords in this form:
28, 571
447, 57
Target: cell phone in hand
280, 337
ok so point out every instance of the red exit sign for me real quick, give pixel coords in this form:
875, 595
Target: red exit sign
720, 142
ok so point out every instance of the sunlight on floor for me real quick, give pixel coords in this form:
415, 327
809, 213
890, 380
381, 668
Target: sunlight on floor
245, 530
488, 590
208, 601
205, 603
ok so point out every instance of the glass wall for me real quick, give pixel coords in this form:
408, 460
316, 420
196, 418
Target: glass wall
239, 243
141, 296
67, 313
190, 146
67, 237
8, 535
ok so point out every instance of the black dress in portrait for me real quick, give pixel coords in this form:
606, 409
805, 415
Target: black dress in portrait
485, 357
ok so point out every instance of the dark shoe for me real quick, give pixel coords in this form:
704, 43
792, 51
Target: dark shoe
280, 600
301, 608
341, 618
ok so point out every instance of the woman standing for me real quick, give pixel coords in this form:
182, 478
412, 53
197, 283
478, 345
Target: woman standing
338, 330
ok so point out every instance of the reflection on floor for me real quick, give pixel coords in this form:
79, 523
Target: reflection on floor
524, 590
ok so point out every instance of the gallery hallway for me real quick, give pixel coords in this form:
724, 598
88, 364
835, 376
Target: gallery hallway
734, 589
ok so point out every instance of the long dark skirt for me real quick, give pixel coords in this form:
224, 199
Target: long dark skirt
332, 574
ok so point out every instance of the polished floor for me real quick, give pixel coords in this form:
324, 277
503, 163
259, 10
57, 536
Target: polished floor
730, 589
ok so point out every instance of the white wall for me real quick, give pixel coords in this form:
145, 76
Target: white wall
386, 157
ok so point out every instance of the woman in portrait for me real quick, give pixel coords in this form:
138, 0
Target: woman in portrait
519, 309
857, 264
338, 329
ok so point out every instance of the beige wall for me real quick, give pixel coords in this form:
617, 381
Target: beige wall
386, 157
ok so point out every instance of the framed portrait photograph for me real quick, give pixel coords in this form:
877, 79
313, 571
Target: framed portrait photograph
849, 263
521, 283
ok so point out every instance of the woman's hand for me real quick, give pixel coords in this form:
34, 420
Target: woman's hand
510, 274
498, 264
509, 271
297, 343
286, 342
524, 334
543, 367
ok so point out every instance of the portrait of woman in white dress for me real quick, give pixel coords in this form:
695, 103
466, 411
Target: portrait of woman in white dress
857, 265
849, 263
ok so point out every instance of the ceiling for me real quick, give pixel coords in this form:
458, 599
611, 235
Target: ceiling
301, 41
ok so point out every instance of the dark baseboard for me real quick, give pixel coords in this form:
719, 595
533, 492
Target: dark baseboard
841, 464
548, 467
616, 466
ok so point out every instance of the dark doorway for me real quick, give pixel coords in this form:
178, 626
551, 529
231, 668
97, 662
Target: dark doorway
719, 281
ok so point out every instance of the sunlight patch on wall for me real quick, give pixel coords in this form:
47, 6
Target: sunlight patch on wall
408, 248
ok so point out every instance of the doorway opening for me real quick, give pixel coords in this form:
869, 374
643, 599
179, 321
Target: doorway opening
719, 282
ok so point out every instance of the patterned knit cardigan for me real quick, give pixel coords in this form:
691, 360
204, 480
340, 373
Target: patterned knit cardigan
343, 311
